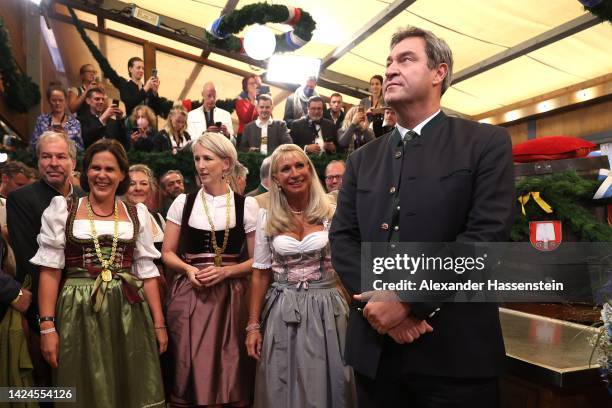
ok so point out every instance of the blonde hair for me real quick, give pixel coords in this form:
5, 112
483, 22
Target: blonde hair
146, 170
279, 217
177, 110
148, 113
348, 118
220, 146
240, 171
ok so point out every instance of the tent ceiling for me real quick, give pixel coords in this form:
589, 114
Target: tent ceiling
474, 29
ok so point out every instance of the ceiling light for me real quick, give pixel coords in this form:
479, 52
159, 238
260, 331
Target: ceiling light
259, 42
292, 69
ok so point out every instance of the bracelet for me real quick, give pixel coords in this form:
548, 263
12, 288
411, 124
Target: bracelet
48, 331
253, 327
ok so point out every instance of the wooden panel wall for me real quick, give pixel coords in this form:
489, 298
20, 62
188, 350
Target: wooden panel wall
518, 132
12, 12
577, 122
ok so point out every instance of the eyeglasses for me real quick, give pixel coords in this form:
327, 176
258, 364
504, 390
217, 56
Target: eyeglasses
334, 177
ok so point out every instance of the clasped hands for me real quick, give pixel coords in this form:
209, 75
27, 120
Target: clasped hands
209, 276
387, 315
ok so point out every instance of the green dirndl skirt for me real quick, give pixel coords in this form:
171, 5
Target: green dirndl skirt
109, 356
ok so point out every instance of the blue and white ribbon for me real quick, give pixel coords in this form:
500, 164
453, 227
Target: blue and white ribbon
215, 32
605, 189
293, 41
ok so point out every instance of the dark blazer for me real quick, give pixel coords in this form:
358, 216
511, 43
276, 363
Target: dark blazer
457, 184
93, 130
153, 142
278, 134
24, 208
302, 132
132, 95
338, 124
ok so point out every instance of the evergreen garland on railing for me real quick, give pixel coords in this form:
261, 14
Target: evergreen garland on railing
568, 195
20, 92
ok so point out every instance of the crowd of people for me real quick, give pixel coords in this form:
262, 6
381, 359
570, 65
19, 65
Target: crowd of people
86, 115
230, 298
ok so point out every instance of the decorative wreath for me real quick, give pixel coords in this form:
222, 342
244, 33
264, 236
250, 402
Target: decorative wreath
221, 33
601, 8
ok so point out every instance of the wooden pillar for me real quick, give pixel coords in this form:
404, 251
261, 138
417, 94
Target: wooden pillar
149, 58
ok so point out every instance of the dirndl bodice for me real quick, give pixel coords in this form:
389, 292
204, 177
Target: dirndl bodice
81, 260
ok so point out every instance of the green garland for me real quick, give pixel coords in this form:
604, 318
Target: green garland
565, 192
20, 92
222, 33
602, 10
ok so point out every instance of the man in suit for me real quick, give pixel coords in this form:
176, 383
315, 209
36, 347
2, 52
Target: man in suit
102, 121
296, 105
433, 179
208, 116
313, 133
56, 162
335, 113
264, 134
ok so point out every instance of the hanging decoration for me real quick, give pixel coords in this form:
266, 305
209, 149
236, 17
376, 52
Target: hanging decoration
222, 31
19, 91
601, 8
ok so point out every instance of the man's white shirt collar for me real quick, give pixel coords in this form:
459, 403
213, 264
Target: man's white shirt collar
418, 128
261, 123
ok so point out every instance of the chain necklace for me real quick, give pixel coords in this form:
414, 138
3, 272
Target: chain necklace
106, 264
213, 238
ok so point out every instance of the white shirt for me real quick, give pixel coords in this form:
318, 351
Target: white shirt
196, 122
263, 149
216, 205
52, 237
418, 128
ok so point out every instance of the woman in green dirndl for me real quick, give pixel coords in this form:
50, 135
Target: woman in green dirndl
100, 311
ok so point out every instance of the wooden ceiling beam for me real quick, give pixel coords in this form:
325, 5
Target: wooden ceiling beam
553, 35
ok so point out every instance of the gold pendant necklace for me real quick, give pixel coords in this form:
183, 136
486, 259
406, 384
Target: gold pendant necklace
107, 274
213, 238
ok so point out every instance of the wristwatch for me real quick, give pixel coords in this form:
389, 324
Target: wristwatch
19, 295
46, 319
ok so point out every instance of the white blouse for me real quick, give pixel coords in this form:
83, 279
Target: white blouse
216, 205
157, 228
52, 237
283, 244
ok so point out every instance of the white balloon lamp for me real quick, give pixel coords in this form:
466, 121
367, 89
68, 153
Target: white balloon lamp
259, 42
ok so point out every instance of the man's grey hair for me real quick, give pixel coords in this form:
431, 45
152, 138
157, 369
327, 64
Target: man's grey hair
437, 50
169, 172
264, 170
51, 134
240, 170
335, 162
